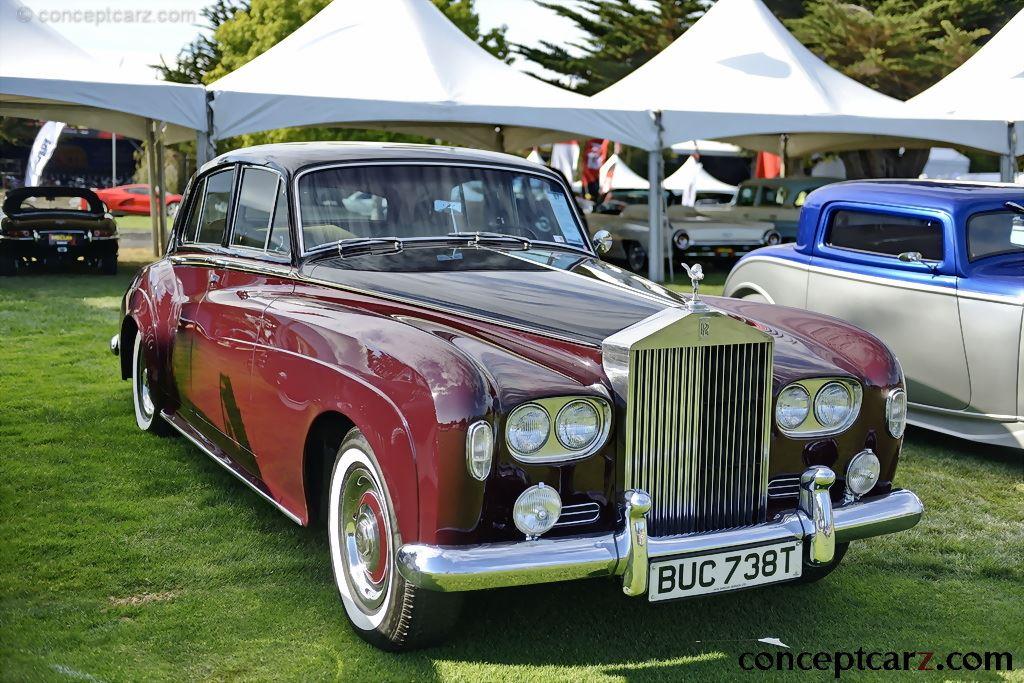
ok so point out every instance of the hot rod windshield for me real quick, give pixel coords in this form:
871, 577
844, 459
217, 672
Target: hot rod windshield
409, 201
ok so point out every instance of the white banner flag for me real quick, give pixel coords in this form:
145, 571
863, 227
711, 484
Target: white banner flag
42, 150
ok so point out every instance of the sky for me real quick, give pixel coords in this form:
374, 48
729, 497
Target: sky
121, 32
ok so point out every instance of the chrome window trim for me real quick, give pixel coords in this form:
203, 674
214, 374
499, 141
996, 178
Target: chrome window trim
552, 176
874, 279
238, 197
229, 217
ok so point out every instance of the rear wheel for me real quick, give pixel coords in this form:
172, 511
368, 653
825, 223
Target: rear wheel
107, 265
383, 608
147, 409
8, 265
636, 257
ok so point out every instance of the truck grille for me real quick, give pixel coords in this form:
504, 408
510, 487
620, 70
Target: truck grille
697, 434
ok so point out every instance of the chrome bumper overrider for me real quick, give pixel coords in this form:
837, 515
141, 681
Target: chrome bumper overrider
115, 344
816, 523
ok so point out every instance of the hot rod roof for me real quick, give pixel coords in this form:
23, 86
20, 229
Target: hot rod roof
291, 156
942, 195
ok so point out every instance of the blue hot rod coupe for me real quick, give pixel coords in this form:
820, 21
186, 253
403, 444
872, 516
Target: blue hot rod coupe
936, 270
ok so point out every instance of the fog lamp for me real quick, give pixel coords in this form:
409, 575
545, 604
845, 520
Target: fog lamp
536, 510
479, 449
862, 473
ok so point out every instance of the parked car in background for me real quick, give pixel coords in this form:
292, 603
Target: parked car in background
134, 199
776, 200
446, 374
936, 270
55, 227
688, 234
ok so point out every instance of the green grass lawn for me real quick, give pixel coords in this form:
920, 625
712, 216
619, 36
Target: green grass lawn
127, 557
137, 224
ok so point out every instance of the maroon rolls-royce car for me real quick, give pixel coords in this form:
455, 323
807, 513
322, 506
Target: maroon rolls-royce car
420, 347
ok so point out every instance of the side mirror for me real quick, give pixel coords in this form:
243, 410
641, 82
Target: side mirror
602, 242
910, 257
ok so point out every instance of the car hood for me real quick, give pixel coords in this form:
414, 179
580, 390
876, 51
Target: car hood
556, 293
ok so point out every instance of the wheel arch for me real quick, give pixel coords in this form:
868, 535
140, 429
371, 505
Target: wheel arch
744, 288
323, 439
128, 332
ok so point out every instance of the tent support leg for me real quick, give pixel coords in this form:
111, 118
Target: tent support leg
162, 213
783, 155
1007, 163
656, 207
154, 198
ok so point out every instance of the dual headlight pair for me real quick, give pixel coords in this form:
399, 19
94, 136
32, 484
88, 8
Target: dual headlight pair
545, 431
834, 407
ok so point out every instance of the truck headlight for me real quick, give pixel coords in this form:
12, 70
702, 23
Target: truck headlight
527, 429
896, 412
792, 407
536, 510
862, 473
577, 425
833, 405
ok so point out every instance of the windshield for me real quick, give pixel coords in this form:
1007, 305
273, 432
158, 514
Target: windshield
997, 232
409, 201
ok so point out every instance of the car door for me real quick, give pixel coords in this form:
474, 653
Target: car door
892, 272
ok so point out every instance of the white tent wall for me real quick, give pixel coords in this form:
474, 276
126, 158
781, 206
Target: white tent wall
692, 173
400, 65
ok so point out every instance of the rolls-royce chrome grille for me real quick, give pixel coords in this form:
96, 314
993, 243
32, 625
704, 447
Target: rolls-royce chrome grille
697, 423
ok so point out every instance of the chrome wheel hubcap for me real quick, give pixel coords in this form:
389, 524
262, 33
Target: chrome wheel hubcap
365, 547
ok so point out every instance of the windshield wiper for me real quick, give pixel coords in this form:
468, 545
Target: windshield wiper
493, 238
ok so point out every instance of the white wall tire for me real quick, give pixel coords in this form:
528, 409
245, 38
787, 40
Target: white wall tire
147, 408
384, 609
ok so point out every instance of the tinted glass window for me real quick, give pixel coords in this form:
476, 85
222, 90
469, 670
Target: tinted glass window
279, 239
429, 201
774, 196
746, 195
188, 232
881, 233
215, 208
256, 195
998, 232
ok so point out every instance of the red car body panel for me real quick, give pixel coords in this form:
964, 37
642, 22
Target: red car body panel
131, 199
252, 354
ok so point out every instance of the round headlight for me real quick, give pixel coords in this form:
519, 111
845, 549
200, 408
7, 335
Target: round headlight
528, 428
833, 405
896, 412
862, 473
792, 407
577, 425
536, 510
772, 238
479, 449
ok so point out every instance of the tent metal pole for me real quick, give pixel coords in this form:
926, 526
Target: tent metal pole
783, 155
154, 201
205, 150
113, 160
162, 223
1007, 161
655, 205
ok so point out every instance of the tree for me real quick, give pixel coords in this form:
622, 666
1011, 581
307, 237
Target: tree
202, 55
621, 36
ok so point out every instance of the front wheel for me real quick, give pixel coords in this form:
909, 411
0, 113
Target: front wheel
147, 409
383, 608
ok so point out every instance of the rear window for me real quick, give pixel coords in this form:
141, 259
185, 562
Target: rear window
994, 233
213, 214
887, 234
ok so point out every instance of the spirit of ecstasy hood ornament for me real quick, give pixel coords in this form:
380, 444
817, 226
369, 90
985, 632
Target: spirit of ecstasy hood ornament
696, 274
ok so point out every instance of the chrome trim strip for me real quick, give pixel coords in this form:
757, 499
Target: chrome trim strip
578, 513
539, 172
496, 565
169, 419
948, 291
992, 417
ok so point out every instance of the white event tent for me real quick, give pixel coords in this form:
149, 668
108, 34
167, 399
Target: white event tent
45, 76
614, 174
691, 178
988, 85
738, 75
401, 65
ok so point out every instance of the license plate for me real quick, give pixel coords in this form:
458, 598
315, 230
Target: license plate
61, 238
684, 577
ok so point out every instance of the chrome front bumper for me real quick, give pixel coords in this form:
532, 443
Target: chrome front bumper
816, 523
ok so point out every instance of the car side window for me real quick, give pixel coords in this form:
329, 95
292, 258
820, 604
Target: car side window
746, 195
216, 198
251, 220
886, 234
280, 242
188, 231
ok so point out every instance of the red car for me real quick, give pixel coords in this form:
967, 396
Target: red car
418, 349
134, 199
